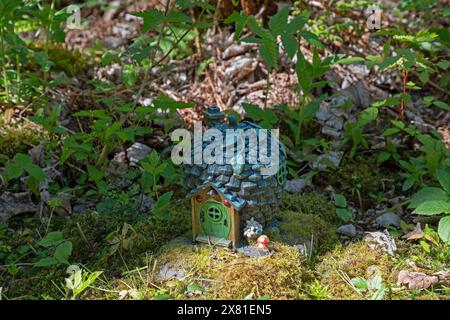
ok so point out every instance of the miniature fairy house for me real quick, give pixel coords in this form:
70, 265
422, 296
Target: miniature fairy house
225, 196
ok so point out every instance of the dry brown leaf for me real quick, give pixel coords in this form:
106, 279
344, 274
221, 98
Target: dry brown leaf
415, 234
419, 280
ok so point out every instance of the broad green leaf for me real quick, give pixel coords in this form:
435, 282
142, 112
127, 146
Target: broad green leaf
13, 171
444, 229
442, 105
63, 252
51, 239
340, 200
383, 156
344, 214
443, 177
427, 194
35, 171
46, 262
433, 207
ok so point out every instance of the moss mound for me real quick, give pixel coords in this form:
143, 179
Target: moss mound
357, 178
351, 261
226, 275
310, 203
72, 62
19, 140
299, 228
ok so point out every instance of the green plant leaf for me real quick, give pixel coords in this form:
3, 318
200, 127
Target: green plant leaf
161, 297
351, 60
63, 252
279, 21
444, 229
35, 171
311, 38
443, 177
340, 200
46, 262
427, 194
51, 239
289, 43
433, 207
344, 214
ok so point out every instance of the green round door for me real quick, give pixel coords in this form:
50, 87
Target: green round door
215, 219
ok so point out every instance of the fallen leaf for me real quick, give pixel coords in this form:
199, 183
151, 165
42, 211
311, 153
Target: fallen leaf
420, 280
415, 234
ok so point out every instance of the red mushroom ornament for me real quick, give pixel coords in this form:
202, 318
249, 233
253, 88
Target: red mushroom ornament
263, 241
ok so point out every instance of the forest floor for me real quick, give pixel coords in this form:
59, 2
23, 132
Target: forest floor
345, 229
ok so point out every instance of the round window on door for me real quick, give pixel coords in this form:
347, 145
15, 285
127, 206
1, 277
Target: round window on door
215, 219
282, 174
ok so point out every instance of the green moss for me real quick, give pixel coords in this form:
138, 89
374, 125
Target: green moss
19, 140
72, 62
351, 261
150, 233
310, 203
357, 178
300, 228
230, 276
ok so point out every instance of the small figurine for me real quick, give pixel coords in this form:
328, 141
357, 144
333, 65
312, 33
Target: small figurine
225, 196
253, 229
263, 241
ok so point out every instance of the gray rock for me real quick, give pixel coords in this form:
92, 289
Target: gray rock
253, 252
167, 272
12, 204
295, 185
146, 204
348, 230
137, 152
388, 219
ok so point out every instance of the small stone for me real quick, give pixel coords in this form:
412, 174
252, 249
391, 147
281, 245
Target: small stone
388, 219
348, 230
167, 272
137, 152
295, 185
